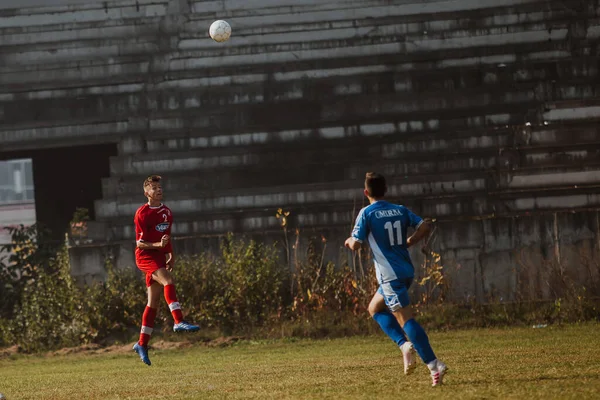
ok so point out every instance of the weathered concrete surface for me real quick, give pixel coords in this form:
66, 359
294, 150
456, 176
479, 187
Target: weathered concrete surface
476, 110
526, 257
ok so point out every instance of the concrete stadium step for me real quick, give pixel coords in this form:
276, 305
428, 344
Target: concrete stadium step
47, 136
248, 29
174, 65
498, 178
474, 203
128, 131
297, 17
169, 94
343, 80
414, 134
417, 40
190, 222
97, 130
428, 112
127, 69
190, 60
241, 158
411, 131
377, 97
82, 13
579, 109
386, 140
119, 188
315, 39
400, 106
122, 10
425, 20
526, 180
409, 7
100, 50
337, 17
300, 21
14, 39
447, 41
404, 94
303, 195
48, 22
268, 117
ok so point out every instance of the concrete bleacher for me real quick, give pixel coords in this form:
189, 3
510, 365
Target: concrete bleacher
473, 108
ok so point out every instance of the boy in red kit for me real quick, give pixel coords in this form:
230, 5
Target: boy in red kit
154, 256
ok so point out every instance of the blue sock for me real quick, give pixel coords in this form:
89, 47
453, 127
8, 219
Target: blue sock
389, 324
419, 339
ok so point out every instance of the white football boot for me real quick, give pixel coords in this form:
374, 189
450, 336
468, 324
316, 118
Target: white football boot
438, 370
408, 353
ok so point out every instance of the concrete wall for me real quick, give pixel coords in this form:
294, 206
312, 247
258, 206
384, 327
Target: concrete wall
475, 110
13, 215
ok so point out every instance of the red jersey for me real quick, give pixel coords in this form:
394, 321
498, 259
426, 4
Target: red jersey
151, 223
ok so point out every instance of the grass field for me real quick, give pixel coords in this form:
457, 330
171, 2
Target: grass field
524, 363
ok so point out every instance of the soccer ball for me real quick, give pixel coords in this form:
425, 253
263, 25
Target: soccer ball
220, 31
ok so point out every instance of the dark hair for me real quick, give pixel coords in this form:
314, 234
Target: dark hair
375, 184
150, 180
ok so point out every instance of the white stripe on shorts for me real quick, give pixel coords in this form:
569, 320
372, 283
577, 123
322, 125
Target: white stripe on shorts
392, 300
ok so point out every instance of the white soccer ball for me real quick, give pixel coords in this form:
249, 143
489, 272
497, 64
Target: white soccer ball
220, 31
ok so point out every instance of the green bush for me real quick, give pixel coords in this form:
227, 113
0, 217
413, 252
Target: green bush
245, 289
319, 286
30, 254
114, 308
235, 291
41, 307
50, 313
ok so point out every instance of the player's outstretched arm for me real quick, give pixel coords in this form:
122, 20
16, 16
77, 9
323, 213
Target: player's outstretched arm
421, 232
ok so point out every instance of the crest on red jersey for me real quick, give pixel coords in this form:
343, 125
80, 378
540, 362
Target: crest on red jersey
163, 226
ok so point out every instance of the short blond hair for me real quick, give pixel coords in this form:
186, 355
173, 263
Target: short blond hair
150, 180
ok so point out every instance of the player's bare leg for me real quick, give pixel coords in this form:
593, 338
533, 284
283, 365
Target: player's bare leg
421, 342
165, 278
390, 326
154, 292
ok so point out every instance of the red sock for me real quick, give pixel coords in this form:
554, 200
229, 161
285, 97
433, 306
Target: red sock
147, 325
171, 298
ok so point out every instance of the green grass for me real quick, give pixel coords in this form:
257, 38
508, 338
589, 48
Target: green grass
523, 363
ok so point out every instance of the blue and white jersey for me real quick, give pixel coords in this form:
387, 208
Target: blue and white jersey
384, 225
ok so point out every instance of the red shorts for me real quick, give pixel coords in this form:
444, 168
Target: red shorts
149, 268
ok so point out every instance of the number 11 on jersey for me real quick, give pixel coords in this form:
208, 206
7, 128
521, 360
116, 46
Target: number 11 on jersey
390, 229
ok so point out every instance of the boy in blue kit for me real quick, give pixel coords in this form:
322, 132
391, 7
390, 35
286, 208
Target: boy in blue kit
384, 226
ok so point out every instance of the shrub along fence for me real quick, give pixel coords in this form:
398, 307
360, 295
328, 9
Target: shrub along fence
245, 290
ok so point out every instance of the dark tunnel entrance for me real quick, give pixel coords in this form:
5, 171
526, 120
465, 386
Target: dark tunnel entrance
65, 179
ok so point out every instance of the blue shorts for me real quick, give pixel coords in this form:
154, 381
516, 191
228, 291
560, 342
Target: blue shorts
395, 293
